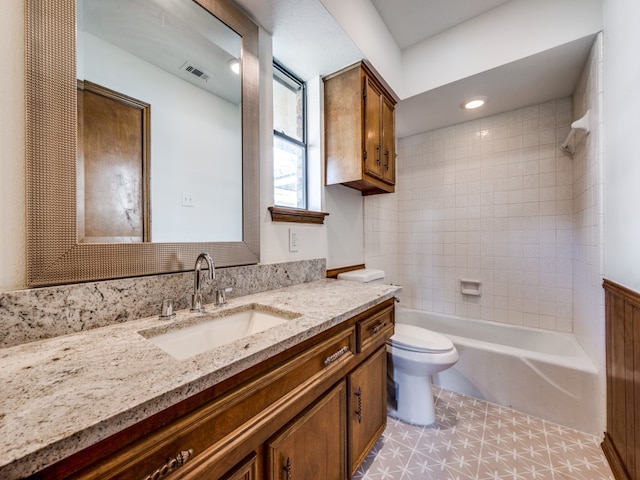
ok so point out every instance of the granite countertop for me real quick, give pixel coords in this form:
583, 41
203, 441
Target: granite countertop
64, 394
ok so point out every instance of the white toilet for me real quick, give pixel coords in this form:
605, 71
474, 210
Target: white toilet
413, 355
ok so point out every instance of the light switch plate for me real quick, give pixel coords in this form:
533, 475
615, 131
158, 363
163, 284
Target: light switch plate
293, 240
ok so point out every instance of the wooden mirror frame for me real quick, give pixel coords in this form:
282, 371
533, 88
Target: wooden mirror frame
54, 255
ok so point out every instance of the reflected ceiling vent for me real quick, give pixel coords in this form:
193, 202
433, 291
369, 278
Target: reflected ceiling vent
193, 69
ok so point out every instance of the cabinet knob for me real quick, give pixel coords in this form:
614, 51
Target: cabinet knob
378, 327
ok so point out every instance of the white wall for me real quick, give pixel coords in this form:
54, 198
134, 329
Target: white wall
512, 31
345, 226
362, 22
621, 126
274, 236
531, 26
12, 179
194, 137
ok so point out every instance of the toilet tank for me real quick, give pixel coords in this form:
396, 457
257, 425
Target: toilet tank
364, 275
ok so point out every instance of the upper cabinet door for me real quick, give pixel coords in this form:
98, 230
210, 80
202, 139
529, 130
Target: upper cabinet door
388, 142
372, 161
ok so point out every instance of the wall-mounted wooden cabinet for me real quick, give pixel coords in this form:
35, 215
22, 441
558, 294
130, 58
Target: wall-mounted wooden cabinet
359, 130
312, 412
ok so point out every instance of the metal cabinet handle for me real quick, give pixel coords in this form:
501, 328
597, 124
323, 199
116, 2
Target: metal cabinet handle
287, 469
379, 327
378, 148
170, 465
359, 408
332, 358
386, 154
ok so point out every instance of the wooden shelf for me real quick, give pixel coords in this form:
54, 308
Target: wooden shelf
296, 215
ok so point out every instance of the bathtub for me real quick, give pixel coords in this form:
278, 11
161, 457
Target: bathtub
543, 373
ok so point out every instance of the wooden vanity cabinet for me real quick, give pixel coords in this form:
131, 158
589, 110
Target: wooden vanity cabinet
293, 410
359, 130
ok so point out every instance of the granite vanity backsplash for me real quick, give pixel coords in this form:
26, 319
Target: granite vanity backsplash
47, 312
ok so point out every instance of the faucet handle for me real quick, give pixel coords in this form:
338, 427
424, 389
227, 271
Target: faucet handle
166, 309
221, 295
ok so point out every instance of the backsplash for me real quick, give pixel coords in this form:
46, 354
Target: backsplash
39, 313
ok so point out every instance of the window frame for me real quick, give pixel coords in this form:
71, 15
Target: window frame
278, 67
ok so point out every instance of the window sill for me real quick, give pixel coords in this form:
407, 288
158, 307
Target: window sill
296, 215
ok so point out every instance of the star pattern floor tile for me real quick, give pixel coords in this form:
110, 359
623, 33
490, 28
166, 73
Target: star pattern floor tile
473, 439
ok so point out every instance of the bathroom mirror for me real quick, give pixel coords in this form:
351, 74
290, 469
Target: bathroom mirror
54, 254
159, 123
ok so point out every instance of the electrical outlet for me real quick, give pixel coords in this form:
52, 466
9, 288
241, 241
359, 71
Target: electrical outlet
187, 200
293, 240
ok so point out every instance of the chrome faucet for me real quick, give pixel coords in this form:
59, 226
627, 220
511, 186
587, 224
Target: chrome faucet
196, 298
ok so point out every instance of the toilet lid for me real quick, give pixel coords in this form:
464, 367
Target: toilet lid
417, 339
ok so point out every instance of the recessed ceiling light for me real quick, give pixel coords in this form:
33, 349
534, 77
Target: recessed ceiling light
474, 103
234, 65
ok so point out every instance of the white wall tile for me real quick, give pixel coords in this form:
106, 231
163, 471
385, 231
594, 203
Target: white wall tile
499, 203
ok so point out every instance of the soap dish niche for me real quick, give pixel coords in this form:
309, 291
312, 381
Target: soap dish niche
471, 287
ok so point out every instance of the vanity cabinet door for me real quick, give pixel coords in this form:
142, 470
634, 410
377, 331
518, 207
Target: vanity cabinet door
247, 470
388, 154
367, 406
312, 447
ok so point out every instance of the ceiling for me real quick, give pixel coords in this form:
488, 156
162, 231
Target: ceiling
309, 40
411, 21
306, 38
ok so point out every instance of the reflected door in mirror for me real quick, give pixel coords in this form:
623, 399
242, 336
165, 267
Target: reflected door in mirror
177, 57
112, 170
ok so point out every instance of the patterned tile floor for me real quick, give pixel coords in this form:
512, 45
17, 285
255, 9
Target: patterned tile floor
473, 439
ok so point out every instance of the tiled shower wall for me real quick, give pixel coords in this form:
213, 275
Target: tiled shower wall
490, 200
588, 264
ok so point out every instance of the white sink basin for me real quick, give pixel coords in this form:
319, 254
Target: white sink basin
186, 339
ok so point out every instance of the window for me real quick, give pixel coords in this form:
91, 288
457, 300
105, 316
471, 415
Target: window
289, 139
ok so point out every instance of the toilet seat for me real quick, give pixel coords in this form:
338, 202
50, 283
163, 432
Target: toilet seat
417, 339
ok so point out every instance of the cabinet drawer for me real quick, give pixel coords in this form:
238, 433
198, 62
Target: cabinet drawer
375, 330
213, 428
